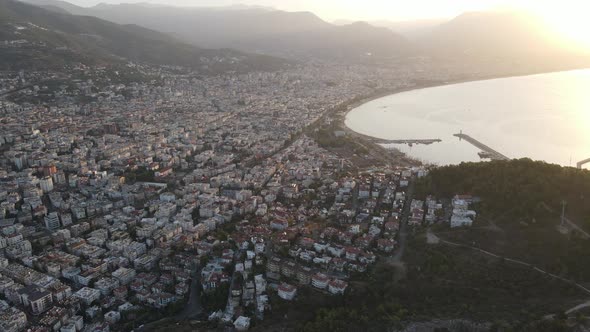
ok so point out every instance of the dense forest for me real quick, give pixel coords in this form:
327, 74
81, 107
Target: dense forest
519, 211
523, 190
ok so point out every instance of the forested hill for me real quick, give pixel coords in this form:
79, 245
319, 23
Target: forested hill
36, 38
517, 190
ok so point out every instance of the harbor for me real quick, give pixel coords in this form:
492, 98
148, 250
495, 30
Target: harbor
486, 152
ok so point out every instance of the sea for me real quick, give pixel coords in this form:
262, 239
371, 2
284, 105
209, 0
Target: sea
543, 117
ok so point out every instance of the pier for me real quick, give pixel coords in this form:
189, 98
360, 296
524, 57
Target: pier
409, 142
583, 162
486, 151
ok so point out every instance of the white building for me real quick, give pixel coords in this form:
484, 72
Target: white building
87, 295
462, 216
287, 292
337, 286
70, 327
46, 184
106, 285
319, 280
124, 275
39, 301
242, 323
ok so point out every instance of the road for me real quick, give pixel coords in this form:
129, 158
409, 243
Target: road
403, 230
578, 307
193, 306
192, 309
397, 259
567, 221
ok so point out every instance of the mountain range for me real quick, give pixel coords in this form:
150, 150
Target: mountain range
187, 36
410, 29
55, 38
253, 29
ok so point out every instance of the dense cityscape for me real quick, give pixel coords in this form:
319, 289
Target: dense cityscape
158, 186
137, 199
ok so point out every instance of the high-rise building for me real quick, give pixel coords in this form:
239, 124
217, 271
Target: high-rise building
20, 161
59, 177
52, 221
46, 184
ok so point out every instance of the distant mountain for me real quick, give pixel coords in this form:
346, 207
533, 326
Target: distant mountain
352, 41
411, 29
299, 34
493, 33
212, 27
51, 38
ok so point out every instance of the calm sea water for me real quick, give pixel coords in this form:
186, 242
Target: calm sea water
543, 117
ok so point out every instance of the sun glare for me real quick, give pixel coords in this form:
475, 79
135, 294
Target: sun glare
575, 28
569, 19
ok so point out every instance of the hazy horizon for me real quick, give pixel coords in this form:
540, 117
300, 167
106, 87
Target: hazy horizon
567, 17
369, 9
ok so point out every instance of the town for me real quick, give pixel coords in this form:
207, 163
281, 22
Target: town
190, 197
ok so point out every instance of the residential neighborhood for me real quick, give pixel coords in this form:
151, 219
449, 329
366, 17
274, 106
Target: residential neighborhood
148, 194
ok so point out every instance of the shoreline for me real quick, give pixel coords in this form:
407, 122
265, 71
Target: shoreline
382, 94
391, 92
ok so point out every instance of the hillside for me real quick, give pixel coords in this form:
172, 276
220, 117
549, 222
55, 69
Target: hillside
261, 30
519, 212
353, 41
452, 280
519, 189
43, 38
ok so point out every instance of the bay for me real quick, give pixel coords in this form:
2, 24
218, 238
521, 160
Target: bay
542, 117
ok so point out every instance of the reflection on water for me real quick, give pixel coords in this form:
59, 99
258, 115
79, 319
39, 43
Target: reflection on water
543, 117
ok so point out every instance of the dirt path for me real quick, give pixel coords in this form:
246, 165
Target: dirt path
515, 261
570, 223
397, 259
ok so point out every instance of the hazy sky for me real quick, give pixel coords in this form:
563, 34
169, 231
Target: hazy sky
343, 9
381, 9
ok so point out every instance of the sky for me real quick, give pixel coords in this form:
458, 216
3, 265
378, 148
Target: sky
567, 16
381, 9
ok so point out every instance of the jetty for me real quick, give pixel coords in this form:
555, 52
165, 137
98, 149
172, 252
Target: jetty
583, 162
409, 142
486, 151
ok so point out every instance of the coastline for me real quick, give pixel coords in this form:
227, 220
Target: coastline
381, 94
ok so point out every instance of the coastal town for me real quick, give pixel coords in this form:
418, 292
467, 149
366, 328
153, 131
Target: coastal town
306, 166
203, 198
